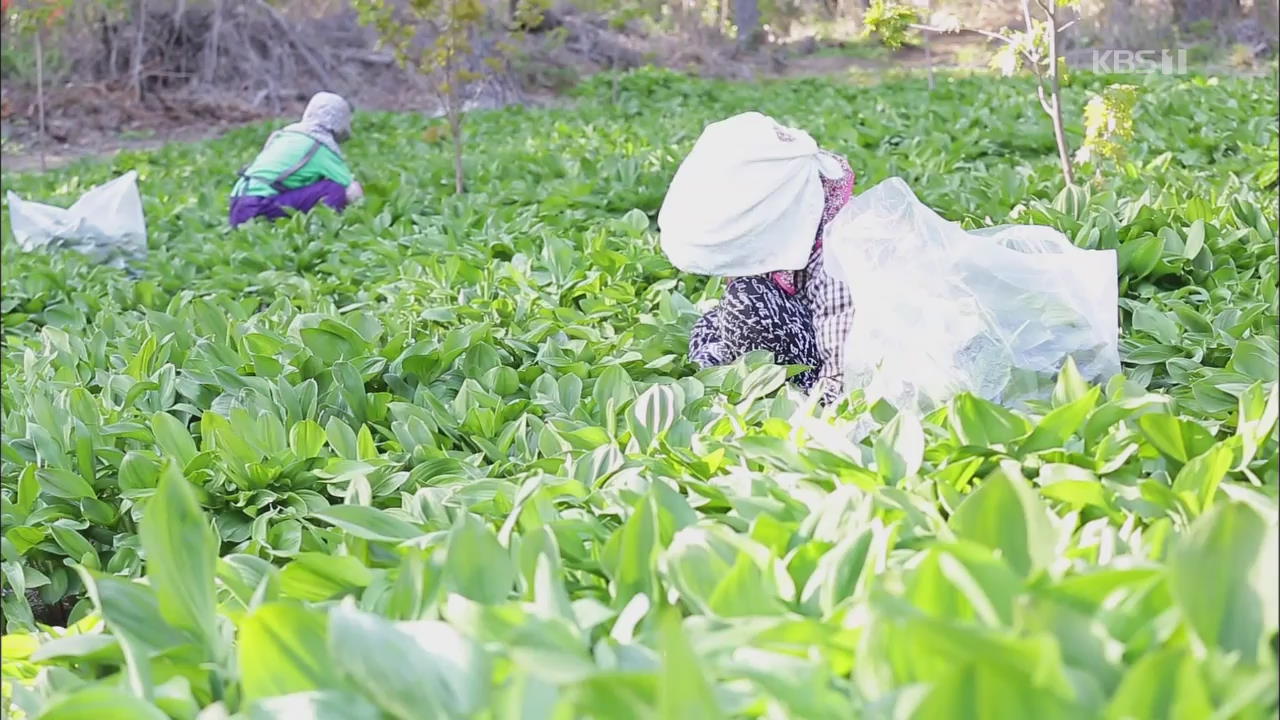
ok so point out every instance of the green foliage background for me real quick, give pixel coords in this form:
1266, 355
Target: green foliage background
441, 456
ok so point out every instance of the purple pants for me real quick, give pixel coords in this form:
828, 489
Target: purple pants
247, 207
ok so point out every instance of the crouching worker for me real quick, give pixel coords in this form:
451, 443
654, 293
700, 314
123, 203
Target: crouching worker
750, 203
300, 166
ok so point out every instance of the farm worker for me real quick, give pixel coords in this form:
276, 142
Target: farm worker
750, 203
300, 166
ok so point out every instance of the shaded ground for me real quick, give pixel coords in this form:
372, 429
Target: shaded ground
94, 122
106, 123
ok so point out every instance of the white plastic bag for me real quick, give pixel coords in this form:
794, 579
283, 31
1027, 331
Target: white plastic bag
106, 223
939, 311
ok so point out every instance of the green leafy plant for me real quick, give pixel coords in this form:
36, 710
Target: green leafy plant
442, 54
451, 463
1108, 123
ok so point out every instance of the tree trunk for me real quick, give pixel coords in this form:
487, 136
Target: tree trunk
1267, 15
40, 98
928, 57
928, 51
455, 129
453, 111
139, 47
1055, 87
210, 69
746, 16
614, 81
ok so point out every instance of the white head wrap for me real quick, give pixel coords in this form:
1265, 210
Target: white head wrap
747, 200
327, 119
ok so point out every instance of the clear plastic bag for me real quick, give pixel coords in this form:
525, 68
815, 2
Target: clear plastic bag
939, 310
106, 223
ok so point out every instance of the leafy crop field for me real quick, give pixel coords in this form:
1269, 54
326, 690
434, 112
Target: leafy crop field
442, 457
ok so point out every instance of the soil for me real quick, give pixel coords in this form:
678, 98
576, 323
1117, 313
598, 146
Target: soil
95, 122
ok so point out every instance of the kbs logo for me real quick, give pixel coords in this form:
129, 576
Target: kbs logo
1165, 62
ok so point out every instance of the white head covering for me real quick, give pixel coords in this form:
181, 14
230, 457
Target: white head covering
747, 200
327, 119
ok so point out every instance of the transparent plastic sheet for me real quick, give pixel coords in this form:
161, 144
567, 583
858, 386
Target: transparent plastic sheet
106, 223
939, 310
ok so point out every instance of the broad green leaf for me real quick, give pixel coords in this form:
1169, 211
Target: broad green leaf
102, 703
1179, 440
1257, 358
631, 553
1257, 414
1223, 577
973, 671
74, 545
283, 649
306, 439
173, 438
1055, 429
1005, 515
1138, 258
1198, 480
368, 523
318, 705
313, 577
138, 472
980, 423
412, 670
181, 552
684, 692
653, 413
132, 613
985, 690
963, 582
64, 483
713, 573
342, 439
762, 381
1165, 685
613, 384
1071, 386
86, 646
836, 574
1195, 239
477, 567
899, 448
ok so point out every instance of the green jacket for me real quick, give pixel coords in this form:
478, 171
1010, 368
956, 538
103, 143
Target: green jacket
287, 151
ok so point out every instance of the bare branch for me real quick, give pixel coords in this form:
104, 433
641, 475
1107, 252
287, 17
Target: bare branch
1031, 59
312, 59
986, 33
1044, 102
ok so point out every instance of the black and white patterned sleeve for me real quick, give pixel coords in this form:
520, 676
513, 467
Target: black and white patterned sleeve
832, 306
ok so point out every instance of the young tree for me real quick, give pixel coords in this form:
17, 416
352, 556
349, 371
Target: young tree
1035, 47
746, 16
35, 18
1108, 126
450, 27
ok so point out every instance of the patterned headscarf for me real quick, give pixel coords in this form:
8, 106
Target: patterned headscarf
327, 119
836, 192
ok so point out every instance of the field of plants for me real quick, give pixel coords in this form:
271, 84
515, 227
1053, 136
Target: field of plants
442, 457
